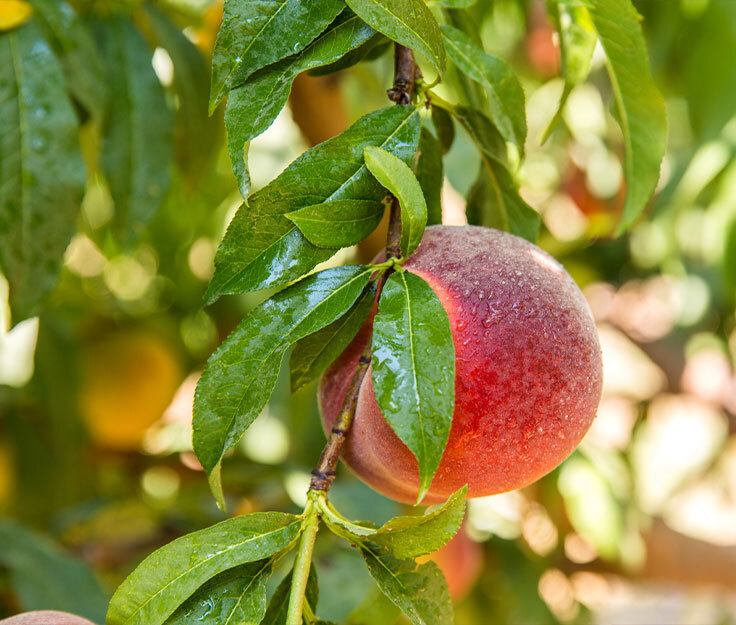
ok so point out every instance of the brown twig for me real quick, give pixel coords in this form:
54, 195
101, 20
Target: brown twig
406, 73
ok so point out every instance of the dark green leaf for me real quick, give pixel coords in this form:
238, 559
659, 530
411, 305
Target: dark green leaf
77, 52
262, 247
444, 127
419, 591
340, 223
641, 108
279, 604
412, 536
41, 169
409, 22
166, 578
241, 373
196, 135
314, 353
371, 49
414, 369
399, 179
495, 191
256, 33
430, 175
505, 93
43, 577
252, 107
237, 596
137, 137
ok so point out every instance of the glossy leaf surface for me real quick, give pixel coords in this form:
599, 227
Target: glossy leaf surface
340, 223
262, 248
408, 22
398, 178
241, 373
414, 369
41, 170
169, 576
256, 33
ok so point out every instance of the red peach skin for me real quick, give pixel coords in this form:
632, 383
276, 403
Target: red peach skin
528, 370
45, 617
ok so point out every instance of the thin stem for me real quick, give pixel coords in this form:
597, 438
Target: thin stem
302, 564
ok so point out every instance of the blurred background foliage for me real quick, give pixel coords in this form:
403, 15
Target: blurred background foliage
96, 467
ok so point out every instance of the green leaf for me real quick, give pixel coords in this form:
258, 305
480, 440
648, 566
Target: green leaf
430, 174
196, 136
166, 578
408, 22
241, 373
252, 107
41, 170
456, 4
279, 604
414, 369
237, 596
481, 208
262, 248
412, 536
375, 609
419, 591
314, 353
371, 49
640, 106
577, 38
444, 127
256, 33
496, 191
506, 96
43, 577
77, 53
399, 179
137, 137
340, 223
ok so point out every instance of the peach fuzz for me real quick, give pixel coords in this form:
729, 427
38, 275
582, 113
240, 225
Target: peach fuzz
45, 617
528, 370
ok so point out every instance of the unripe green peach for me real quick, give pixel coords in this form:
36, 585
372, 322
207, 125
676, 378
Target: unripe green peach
528, 370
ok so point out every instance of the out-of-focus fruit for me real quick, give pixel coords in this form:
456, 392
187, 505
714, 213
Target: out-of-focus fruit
461, 560
46, 617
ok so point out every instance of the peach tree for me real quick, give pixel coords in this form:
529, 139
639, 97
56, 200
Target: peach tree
396, 320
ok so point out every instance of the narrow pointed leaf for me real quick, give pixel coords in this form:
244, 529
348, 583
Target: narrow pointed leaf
577, 38
137, 137
640, 106
41, 170
256, 33
430, 174
412, 536
419, 591
169, 576
506, 96
279, 604
314, 353
408, 22
262, 248
241, 373
340, 223
237, 597
77, 53
252, 107
444, 128
399, 179
414, 369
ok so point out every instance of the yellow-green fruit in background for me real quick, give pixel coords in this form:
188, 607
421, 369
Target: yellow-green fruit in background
128, 380
13, 13
45, 617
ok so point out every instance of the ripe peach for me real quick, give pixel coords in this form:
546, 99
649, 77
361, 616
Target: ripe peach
528, 370
45, 617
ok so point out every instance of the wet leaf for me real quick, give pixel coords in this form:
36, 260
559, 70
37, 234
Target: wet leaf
252, 107
41, 170
414, 369
430, 174
398, 178
340, 223
256, 33
314, 353
241, 374
506, 96
640, 106
408, 22
170, 575
262, 248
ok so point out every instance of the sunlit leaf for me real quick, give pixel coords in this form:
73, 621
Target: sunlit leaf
340, 223
414, 369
